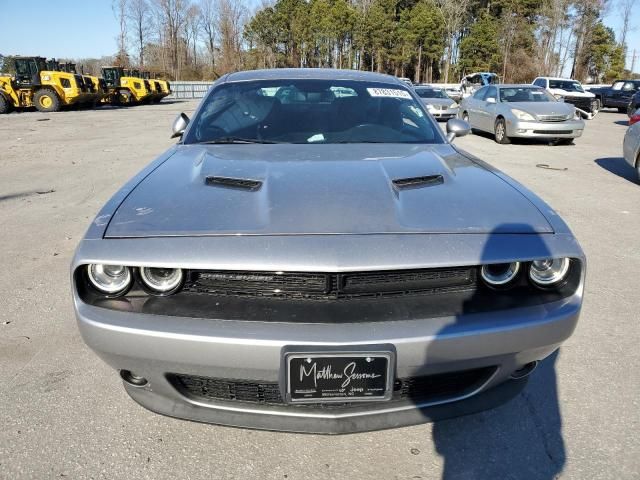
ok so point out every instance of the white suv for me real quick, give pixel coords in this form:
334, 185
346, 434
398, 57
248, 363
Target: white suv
571, 91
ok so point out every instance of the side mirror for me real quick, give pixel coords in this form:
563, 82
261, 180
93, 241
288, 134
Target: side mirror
491, 100
457, 128
179, 125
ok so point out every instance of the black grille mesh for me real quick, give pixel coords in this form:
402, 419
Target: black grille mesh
303, 285
425, 388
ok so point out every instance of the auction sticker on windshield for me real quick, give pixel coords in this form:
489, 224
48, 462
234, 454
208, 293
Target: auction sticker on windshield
388, 92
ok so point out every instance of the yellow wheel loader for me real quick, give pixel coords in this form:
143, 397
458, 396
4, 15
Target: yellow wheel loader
95, 91
35, 85
122, 87
156, 88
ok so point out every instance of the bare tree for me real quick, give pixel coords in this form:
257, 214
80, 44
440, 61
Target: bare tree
454, 13
172, 15
208, 21
626, 9
140, 20
119, 8
231, 17
192, 26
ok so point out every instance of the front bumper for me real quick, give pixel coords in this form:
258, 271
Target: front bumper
154, 346
528, 129
444, 114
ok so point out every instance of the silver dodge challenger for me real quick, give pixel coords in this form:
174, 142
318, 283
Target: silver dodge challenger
314, 255
524, 111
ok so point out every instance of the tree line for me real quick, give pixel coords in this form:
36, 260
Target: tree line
425, 40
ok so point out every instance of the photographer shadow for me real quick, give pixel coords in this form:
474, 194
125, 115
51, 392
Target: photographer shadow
521, 439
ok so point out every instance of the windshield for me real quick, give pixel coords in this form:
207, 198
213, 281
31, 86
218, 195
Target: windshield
525, 94
567, 85
311, 112
431, 93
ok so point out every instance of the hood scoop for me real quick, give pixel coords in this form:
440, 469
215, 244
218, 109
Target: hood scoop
229, 182
417, 182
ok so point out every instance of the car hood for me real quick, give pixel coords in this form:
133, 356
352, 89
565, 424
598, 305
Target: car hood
438, 101
322, 189
542, 108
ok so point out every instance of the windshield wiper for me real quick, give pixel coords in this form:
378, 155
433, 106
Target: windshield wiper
230, 140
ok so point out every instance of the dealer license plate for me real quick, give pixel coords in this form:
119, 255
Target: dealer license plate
338, 377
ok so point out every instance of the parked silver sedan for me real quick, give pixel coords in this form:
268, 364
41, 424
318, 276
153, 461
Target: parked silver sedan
631, 147
524, 111
439, 104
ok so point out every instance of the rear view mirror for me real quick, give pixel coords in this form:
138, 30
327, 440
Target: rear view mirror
457, 128
179, 125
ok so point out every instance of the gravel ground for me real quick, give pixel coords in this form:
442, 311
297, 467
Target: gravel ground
64, 413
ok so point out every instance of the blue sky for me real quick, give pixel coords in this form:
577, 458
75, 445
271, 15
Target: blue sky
80, 29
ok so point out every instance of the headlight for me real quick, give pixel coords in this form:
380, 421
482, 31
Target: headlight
46, 78
499, 274
161, 281
453, 105
522, 115
549, 271
109, 279
558, 97
124, 82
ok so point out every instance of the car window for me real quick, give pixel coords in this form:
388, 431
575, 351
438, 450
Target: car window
540, 82
479, 95
525, 94
567, 85
628, 87
492, 92
431, 93
312, 111
617, 86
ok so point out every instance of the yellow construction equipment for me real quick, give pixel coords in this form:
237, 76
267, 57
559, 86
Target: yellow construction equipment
123, 88
95, 90
35, 85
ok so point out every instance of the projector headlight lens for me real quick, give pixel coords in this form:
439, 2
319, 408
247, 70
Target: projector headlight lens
499, 274
161, 281
549, 271
109, 279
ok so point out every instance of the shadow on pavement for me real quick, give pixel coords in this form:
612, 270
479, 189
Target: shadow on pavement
521, 439
618, 166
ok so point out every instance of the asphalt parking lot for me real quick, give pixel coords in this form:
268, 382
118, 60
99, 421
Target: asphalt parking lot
64, 413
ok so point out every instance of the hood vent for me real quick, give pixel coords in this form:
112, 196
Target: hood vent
240, 183
418, 182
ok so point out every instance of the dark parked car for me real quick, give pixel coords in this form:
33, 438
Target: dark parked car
314, 262
618, 95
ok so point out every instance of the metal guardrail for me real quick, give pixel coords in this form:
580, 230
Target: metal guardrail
189, 90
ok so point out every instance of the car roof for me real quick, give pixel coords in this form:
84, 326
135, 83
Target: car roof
513, 85
312, 74
561, 78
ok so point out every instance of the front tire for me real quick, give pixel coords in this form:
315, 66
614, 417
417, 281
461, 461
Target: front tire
46, 100
500, 132
5, 106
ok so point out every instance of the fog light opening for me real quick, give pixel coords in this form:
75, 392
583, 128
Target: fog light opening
524, 371
133, 379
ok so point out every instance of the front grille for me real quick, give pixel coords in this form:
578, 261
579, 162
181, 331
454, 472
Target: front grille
330, 286
554, 118
424, 388
553, 132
